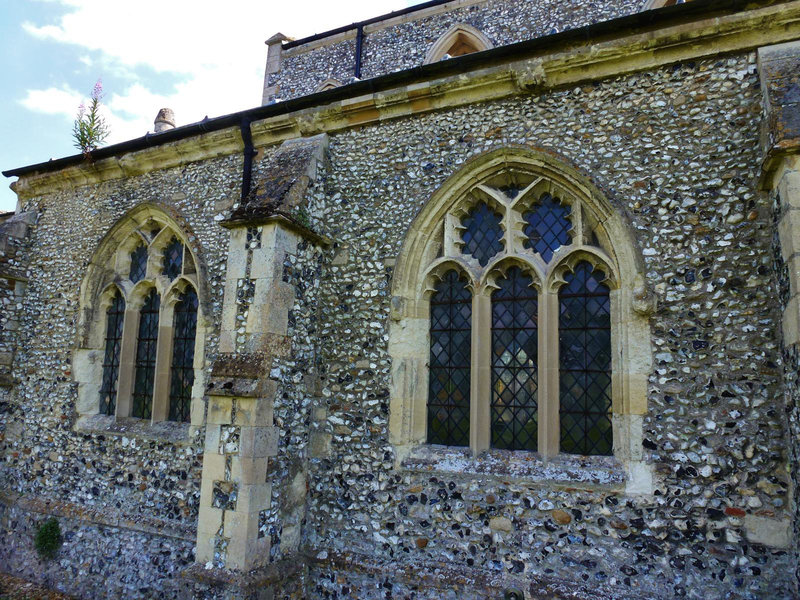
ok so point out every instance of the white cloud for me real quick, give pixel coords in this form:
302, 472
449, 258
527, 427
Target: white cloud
53, 101
215, 51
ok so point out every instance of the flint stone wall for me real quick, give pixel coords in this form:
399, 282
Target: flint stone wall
677, 149
404, 46
141, 474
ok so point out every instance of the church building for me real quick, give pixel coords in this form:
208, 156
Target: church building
487, 299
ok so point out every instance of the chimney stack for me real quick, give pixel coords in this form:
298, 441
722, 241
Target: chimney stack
165, 119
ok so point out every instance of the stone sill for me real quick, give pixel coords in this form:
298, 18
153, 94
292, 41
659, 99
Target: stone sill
564, 470
182, 434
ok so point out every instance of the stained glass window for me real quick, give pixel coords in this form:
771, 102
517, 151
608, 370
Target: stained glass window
146, 357
173, 258
585, 363
115, 316
547, 226
514, 363
482, 234
182, 372
138, 263
449, 375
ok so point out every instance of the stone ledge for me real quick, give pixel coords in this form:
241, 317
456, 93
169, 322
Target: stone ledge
590, 472
432, 575
169, 432
103, 516
277, 572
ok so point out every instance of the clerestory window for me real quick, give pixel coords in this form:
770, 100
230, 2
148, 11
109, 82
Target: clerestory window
520, 316
146, 308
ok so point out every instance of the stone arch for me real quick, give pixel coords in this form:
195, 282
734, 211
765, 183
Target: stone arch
328, 84
524, 171
460, 39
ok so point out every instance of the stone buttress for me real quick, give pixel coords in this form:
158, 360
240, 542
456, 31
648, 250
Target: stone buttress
233, 537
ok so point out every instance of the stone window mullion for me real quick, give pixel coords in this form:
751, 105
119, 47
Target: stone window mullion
548, 373
481, 380
163, 362
127, 361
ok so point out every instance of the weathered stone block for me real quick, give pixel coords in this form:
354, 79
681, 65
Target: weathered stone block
257, 442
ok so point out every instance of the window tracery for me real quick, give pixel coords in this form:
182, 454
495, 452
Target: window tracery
559, 340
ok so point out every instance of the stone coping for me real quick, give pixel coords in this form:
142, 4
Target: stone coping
169, 432
103, 516
592, 472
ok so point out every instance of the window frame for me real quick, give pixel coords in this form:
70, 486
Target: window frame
109, 273
547, 277
431, 248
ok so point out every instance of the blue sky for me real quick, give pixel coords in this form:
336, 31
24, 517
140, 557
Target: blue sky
198, 57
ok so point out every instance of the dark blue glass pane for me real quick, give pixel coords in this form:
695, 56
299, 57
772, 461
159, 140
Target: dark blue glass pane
482, 234
547, 226
182, 372
514, 407
585, 363
138, 263
449, 367
146, 357
173, 258
115, 316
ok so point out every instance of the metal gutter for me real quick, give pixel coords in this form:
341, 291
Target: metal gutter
639, 22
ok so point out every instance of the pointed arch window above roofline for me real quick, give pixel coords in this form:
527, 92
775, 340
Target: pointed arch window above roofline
459, 40
560, 337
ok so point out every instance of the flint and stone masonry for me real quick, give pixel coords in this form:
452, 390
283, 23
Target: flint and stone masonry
313, 229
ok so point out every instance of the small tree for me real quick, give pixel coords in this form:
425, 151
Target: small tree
90, 129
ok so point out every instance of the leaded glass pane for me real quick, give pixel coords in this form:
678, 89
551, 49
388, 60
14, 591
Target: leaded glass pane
585, 357
182, 372
146, 357
547, 226
138, 263
514, 414
482, 234
449, 383
173, 258
115, 316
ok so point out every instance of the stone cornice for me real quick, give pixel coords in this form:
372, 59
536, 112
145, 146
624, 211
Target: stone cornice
543, 70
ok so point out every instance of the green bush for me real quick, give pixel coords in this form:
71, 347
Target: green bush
48, 539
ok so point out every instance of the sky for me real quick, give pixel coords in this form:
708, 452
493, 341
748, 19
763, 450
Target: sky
198, 57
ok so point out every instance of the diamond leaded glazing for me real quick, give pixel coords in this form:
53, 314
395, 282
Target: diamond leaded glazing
173, 258
449, 376
146, 357
547, 226
585, 363
138, 263
115, 316
514, 405
482, 234
182, 372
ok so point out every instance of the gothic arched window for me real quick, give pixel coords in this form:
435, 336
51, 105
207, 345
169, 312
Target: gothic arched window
141, 293
459, 40
535, 304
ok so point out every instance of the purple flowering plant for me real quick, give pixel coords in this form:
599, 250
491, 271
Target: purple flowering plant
90, 129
